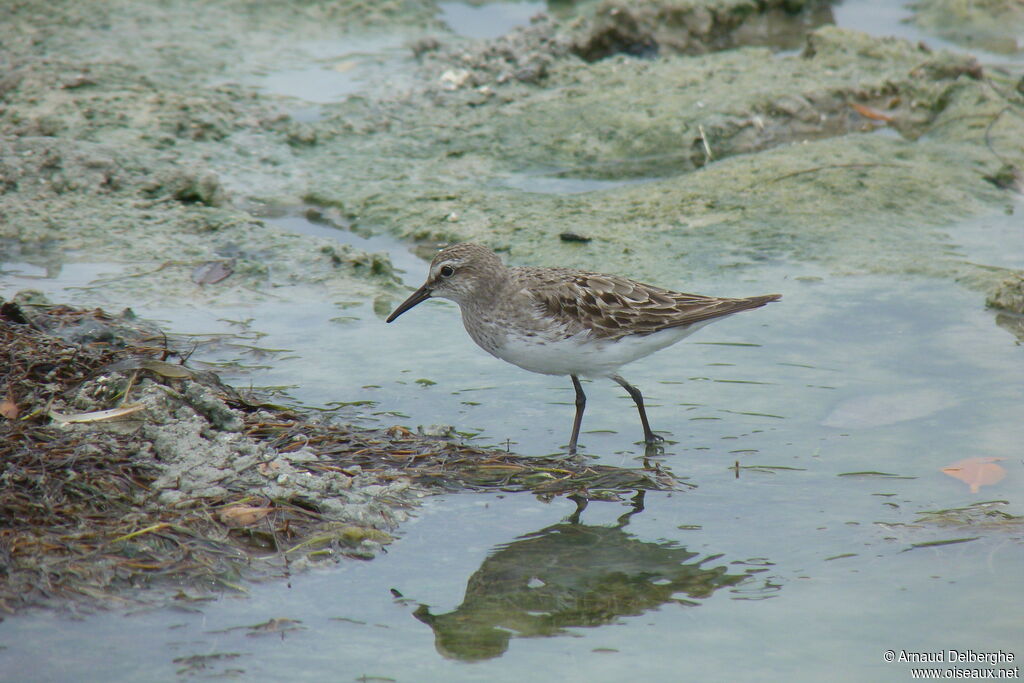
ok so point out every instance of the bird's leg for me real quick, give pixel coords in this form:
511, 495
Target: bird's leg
581, 403
638, 399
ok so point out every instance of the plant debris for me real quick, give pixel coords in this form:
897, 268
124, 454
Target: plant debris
987, 514
122, 469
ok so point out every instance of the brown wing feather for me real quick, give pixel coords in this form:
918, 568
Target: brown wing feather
611, 307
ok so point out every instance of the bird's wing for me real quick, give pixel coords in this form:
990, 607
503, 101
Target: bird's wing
611, 307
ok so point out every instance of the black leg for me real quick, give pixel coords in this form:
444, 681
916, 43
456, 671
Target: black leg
638, 399
581, 403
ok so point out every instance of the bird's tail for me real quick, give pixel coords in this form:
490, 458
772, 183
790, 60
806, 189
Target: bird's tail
758, 301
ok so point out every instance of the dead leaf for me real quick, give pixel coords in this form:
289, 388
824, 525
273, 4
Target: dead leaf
977, 472
243, 515
8, 408
164, 369
398, 432
872, 113
212, 272
98, 415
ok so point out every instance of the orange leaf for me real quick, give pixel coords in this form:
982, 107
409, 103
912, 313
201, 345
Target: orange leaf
243, 515
871, 113
9, 409
398, 432
977, 472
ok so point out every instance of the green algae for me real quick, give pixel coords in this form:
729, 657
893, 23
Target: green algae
795, 173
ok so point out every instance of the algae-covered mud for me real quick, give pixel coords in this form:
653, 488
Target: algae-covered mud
266, 180
852, 153
993, 25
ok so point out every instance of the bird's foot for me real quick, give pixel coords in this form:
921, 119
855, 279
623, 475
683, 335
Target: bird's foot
572, 454
653, 445
653, 450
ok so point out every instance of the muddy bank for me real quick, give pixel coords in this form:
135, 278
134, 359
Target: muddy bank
123, 469
152, 232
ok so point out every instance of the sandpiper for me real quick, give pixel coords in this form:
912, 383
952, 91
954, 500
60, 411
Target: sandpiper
561, 321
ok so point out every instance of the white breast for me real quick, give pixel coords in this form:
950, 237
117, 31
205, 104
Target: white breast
582, 354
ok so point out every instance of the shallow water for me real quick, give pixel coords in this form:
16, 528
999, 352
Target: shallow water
887, 18
488, 20
803, 618
325, 71
814, 432
845, 375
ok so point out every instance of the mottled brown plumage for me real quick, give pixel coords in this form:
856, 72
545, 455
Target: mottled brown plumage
563, 321
611, 307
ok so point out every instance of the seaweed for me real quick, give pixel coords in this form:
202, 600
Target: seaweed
85, 518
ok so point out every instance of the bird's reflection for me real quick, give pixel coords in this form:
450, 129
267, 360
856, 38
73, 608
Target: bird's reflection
570, 575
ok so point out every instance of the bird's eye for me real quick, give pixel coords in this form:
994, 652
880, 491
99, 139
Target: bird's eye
447, 271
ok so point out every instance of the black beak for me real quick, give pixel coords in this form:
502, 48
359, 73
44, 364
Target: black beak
419, 296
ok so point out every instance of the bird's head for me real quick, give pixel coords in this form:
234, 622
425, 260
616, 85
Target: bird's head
458, 273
